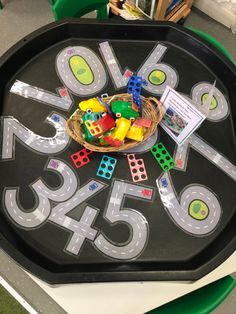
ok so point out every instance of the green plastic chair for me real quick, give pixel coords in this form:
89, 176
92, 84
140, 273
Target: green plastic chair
213, 42
201, 301
77, 8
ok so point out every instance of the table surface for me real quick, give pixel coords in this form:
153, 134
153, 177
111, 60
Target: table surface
127, 297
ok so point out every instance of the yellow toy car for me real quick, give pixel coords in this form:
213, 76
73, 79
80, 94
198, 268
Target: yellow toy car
118, 135
92, 105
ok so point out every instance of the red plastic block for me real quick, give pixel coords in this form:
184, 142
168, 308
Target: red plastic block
143, 122
81, 158
137, 168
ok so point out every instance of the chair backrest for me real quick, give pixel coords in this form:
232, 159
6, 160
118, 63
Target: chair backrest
77, 8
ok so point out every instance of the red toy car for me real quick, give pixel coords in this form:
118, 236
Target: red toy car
101, 126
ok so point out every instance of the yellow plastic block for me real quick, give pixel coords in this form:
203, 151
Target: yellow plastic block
136, 133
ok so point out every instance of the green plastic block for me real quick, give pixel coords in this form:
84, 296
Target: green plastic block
163, 157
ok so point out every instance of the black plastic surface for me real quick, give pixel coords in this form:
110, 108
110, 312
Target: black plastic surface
170, 254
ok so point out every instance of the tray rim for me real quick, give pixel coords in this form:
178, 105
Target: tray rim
61, 277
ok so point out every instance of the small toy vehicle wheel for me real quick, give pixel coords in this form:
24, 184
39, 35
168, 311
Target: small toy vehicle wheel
118, 114
132, 119
89, 110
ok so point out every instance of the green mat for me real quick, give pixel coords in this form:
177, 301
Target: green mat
8, 305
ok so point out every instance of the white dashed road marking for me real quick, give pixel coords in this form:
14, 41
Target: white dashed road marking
67, 76
32, 92
13, 128
179, 210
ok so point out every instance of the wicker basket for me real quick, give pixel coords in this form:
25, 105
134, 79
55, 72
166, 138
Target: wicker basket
152, 109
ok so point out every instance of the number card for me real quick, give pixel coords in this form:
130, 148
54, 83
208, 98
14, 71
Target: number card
181, 118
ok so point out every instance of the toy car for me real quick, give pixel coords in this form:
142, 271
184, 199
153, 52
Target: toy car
92, 105
93, 117
136, 133
118, 135
125, 109
99, 127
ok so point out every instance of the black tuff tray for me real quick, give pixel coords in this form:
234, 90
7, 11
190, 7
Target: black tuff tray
145, 240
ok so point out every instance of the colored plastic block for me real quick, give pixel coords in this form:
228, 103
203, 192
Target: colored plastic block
106, 167
94, 130
163, 157
135, 84
136, 133
81, 158
134, 88
137, 168
143, 122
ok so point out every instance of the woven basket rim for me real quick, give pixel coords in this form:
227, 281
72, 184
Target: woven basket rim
74, 127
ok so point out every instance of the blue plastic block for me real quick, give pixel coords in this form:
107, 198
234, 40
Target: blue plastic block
106, 167
135, 84
134, 87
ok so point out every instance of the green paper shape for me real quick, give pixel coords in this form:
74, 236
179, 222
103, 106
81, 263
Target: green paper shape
196, 207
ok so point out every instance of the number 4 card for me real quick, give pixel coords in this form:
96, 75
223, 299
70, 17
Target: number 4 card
181, 118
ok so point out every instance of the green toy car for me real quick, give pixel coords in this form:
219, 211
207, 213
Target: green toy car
124, 109
93, 117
